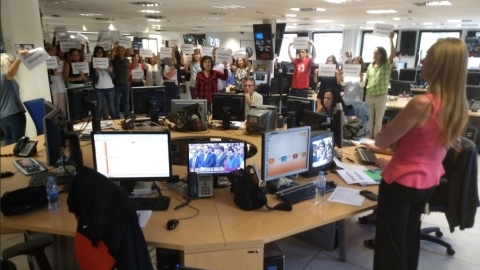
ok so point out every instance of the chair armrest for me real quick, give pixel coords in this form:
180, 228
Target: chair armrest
29, 247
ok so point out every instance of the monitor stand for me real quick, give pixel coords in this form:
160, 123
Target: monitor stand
221, 181
137, 188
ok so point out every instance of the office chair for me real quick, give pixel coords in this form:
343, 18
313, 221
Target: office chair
32, 247
108, 231
36, 110
360, 109
457, 194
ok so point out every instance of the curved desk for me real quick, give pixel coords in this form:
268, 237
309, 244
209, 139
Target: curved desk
221, 236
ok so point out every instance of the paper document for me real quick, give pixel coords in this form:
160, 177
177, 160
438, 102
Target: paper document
348, 166
346, 196
103, 125
143, 217
356, 177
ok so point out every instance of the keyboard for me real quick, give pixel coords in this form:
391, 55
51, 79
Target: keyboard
298, 193
151, 203
39, 179
475, 105
367, 155
347, 142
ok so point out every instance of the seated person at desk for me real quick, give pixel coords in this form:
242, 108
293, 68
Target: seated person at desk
232, 162
252, 98
327, 100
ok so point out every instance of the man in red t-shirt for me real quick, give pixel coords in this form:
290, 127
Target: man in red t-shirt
301, 71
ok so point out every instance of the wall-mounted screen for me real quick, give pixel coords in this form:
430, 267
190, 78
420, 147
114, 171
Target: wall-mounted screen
262, 34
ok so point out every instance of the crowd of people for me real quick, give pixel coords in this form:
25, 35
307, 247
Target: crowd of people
216, 157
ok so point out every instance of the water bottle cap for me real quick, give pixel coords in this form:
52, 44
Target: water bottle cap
321, 173
50, 178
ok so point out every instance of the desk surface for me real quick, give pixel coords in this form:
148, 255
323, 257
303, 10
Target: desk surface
395, 104
220, 225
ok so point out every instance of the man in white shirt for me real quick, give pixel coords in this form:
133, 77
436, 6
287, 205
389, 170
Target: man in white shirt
252, 98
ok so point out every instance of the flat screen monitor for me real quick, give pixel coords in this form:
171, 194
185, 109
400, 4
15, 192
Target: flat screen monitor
228, 107
146, 98
408, 74
400, 87
262, 34
178, 104
54, 124
261, 77
316, 121
473, 78
401, 65
321, 152
190, 39
132, 156
337, 126
473, 92
216, 157
202, 39
297, 105
77, 102
285, 152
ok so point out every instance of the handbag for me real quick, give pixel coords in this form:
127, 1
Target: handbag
248, 194
190, 118
23, 200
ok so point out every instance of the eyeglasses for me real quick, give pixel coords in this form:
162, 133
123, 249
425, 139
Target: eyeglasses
248, 85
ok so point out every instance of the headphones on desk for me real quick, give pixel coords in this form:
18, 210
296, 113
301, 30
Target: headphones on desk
129, 122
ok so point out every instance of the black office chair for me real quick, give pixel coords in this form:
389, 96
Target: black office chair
457, 194
32, 247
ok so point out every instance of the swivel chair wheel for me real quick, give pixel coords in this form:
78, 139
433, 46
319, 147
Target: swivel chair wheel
450, 251
439, 234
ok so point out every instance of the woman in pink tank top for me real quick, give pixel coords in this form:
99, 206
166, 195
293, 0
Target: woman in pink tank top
419, 135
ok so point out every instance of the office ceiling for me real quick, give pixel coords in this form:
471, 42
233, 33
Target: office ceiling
187, 16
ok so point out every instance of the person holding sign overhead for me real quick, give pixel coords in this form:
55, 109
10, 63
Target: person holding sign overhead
378, 77
353, 84
329, 82
137, 71
12, 112
101, 74
74, 79
242, 71
301, 71
207, 80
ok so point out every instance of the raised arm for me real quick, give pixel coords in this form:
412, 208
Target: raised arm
13, 68
290, 53
314, 51
392, 48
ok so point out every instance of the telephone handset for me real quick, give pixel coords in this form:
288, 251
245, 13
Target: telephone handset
25, 147
199, 185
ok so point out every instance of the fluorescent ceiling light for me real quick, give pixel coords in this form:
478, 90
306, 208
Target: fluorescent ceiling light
324, 21
427, 23
454, 21
149, 11
90, 14
381, 11
295, 9
291, 26
396, 19
335, 1
111, 27
290, 15
308, 9
84, 28
228, 6
154, 20
438, 3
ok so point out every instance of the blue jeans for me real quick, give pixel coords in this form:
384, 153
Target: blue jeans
109, 93
13, 127
171, 92
299, 92
122, 96
192, 92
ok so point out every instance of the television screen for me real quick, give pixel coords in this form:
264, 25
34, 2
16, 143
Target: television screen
321, 152
219, 157
258, 35
202, 39
263, 41
145, 98
233, 103
285, 152
298, 105
316, 121
54, 124
190, 39
408, 74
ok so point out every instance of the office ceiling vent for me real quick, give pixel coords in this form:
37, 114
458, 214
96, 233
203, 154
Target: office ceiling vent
147, 4
76, 9
156, 17
104, 19
160, 30
308, 9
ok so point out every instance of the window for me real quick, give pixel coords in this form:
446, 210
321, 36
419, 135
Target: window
428, 38
327, 44
370, 42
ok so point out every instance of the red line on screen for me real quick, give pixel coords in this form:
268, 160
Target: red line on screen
106, 155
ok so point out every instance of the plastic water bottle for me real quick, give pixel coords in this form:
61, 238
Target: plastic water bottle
320, 186
52, 195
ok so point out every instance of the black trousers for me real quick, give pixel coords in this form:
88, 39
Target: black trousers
397, 238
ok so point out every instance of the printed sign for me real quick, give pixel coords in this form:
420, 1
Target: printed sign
382, 30
326, 70
106, 37
104, 32
165, 52
52, 62
351, 70
125, 42
80, 66
105, 44
62, 37
67, 45
137, 74
223, 55
173, 42
88, 57
60, 29
301, 43
147, 53
100, 62
34, 58
207, 51
187, 48
239, 53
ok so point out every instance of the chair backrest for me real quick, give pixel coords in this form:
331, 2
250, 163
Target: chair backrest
36, 110
360, 109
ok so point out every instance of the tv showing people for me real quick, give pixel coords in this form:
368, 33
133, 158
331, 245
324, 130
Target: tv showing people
322, 151
216, 157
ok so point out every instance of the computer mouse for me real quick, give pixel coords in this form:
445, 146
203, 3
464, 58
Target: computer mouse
172, 224
5, 174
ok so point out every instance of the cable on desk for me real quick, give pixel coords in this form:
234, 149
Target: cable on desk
196, 209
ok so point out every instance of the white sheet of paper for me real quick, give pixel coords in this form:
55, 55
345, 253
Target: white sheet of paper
187, 48
60, 29
63, 37
351, 70
207, 51
326, 70
34, 58
239, 53
65, 46
104, 32
173, 42
106, 37
143, 217
356, 176
348, 166
78, 41
137, 74
145, 52
301, 43
346, 196
165, 52
52, 62
77, 66
100, 62
105, 44
125, 42
88, 57
382, 30
188, 57
223, 55
81, 37
60, 65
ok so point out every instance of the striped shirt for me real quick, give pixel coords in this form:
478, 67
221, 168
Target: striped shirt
378, 78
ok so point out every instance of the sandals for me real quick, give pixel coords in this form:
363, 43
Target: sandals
365, 220
369, 243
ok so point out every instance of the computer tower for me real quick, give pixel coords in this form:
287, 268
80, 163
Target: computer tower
273, 258
167, 259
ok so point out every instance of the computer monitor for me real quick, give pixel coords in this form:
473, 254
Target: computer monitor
261, 118
129, 157
473, 92
401, 65
178, 104
399, 87
222, 158
473, 78
287, 67
296, 106
337, 126
408, 74
316, 121
202, 39
285, 152
148, 98
321, 152
228, 107
77, 102
190, 39
261, 77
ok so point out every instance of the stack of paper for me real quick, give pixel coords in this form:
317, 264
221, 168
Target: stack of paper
356, 176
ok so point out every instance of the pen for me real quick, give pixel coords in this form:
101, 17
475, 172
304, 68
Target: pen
351, 160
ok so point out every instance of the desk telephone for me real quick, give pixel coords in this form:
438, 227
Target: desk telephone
474, 105
199, 185
25, 147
